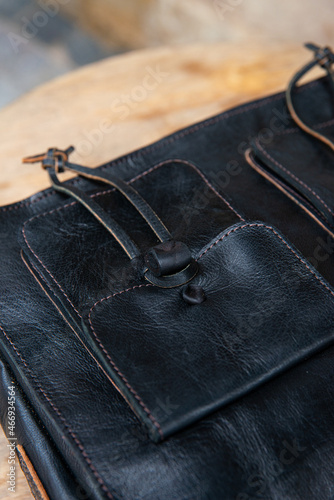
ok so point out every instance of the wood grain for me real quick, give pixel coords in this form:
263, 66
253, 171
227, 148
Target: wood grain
110, 108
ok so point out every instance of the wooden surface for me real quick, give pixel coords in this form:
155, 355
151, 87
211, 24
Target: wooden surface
147, 23
115, 106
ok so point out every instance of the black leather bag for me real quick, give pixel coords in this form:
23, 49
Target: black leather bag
167, 318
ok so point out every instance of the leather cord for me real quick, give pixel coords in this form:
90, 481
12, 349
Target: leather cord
101, 215
56, 161
323, 57
169, 264
130, 194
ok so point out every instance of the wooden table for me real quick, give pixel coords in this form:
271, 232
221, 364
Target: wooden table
120, 104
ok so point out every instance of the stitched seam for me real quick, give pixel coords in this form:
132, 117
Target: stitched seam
146, 285
105, 351
114, 365
26, 204
274, 179
293, 177
294, 130
207, 123
193, 166
36, 256
48, 287
278, 236
125, 380
50, 274
147, 411
137, 154
56, 410
116, 368
103, 193
326, 124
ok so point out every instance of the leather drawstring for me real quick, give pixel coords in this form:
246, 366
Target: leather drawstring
169, 264
324, 57
101, 215
56, 161
129, 193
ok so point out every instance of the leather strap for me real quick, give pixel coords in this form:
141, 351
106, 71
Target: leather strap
58, 160
169, 264
130, 194
324, 57
101, 215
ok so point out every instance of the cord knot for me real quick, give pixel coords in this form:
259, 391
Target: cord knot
54, 158
324, 55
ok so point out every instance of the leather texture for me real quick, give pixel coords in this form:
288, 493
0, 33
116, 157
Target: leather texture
196, 356
239, 383
281, 158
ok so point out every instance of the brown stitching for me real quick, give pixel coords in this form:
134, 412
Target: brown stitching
280, 237
146, 285
163, 142
21, 204
43, 289
193, 166
107, 354
61, 313
156, 424
109, 191
293, 177
211, 121
72, 434
39, 260
294, 130
326, 124
50, 274
292, 194
138, 154
111, 361
125, 380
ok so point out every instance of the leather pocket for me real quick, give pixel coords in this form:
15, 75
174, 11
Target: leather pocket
80, 260
265, 310
302, 168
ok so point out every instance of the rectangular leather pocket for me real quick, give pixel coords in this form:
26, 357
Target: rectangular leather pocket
302, 168
266, 309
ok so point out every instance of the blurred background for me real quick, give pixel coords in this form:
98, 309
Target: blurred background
41, 39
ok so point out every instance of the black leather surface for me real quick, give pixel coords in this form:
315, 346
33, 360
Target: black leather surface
309, 174
55, 240
276, 442
30, 434
204, 357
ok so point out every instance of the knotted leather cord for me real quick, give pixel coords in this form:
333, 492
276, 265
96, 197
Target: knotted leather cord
101, 215
323, 57
130, 194
56, 161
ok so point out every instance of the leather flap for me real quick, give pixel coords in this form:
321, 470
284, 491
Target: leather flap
81, 261
173, 362
266, 309
304, 166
